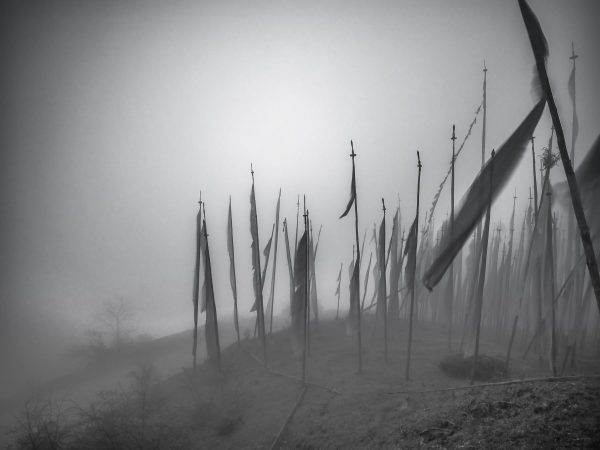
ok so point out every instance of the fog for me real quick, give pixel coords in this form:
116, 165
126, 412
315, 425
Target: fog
115, 115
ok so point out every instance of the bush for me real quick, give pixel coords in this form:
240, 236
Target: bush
133, 417
42, 425
488, 368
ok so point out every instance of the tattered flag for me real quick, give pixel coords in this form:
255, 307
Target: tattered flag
211, 329
474, 202
410, 252
298, 307
352, 194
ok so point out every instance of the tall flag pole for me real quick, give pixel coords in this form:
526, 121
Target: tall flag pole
289, 260
484, 114
382, 294
481, 283
574, 132
296, 238
355, 282
272, 295
411, 267
298, 301
472, 285
211, 329
540, 51
451, 275
524, 271
306, 348
232, 278
535, 190
308, 266
550, 268
258, 283
509, 258
575, 121
483, 130
196, 289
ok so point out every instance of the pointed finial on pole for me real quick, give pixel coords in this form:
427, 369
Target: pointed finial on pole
352, 155
305, 215
383, 203
573, 56
252, 172
453, 138
484, 66
419, 165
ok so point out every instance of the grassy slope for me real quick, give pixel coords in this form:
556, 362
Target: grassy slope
248, 406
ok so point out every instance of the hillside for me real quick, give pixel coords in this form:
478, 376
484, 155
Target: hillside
247, 407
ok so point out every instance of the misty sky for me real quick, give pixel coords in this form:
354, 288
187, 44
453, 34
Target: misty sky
116, 114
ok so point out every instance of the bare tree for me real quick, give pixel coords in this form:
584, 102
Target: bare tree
116, 316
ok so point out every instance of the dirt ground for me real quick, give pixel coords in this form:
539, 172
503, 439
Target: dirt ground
247, 407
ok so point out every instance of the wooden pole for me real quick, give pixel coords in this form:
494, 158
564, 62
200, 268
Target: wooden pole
197, 274
480, 285
353, 155
573, 57
211, 298
272, 295
307, 293
584, 230
535, 190
451, 274
296, 238
525, 272
551, 263
306, 303
414, 269
384, 293
259, 307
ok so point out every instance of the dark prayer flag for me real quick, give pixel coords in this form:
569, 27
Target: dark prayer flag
211, 329
232, 280
410, 252
474, 203
298, 307
352, 322
352, 194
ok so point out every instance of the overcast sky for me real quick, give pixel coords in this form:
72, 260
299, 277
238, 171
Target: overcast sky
116, 114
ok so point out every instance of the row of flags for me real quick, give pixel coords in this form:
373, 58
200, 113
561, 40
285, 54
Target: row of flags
527, 269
